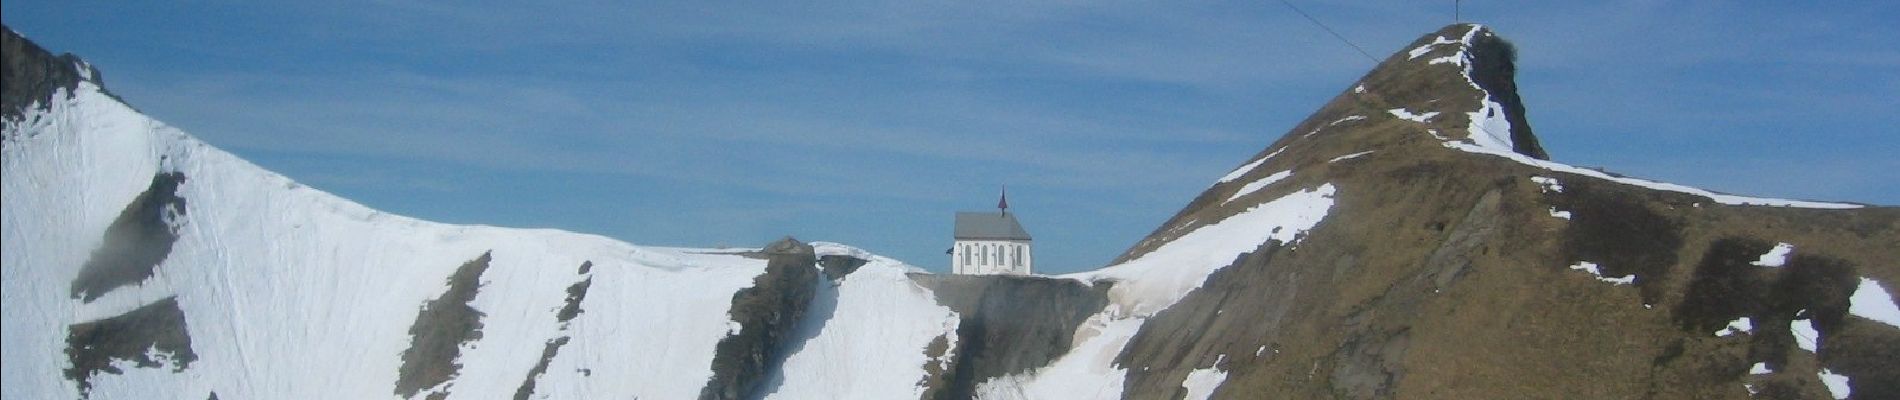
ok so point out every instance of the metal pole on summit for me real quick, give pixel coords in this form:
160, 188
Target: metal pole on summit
1457, 11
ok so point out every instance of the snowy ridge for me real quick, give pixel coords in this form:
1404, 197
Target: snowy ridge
1489, 132
1717, 197
822, 249
290, 292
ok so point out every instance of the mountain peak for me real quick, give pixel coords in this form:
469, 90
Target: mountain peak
33, 75
1454, 87
1460, 83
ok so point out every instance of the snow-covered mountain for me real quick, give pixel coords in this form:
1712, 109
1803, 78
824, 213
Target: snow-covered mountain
1409, 239
142, 263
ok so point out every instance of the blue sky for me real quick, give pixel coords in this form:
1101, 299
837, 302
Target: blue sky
871, 123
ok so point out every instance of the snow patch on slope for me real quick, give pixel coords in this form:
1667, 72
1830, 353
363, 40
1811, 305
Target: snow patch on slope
1258, 184
1349, 156
1407, 115
1775, 257
1836, 384
1336, 122
1201, 382
1423, 49
1739, 325
1872, 302
1547, 184
1156, 280
1805, 336
1244, 169
1596, 272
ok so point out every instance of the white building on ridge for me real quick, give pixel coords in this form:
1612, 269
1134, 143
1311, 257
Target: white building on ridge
991, 243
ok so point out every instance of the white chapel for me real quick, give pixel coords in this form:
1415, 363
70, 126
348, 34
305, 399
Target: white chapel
991, 243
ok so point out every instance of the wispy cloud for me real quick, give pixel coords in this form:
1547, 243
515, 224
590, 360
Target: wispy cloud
741, 117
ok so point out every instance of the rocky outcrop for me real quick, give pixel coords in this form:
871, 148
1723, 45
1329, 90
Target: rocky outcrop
33, 75
1008, 324
766, 314
136, 242
836, 267
152, 336
571, 308
442, 326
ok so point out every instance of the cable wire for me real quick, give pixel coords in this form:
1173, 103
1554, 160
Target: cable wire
1309, 17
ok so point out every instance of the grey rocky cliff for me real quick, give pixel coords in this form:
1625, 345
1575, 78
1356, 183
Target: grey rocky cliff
767, 313
1008, 324
33, 75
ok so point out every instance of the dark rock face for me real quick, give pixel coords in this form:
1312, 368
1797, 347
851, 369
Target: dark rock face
547, 355
570, 309
767, 313
1008, 324
134, 336
575, 294
33, 75
1440, 273
837, 267
443, 325
136, 242
1494, 68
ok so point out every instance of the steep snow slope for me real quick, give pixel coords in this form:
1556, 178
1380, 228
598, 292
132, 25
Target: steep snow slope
289, 292
866, 336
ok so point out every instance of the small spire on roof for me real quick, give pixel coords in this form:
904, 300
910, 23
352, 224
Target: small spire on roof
1002, 204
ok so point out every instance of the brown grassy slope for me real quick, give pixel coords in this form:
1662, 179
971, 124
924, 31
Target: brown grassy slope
1443, 274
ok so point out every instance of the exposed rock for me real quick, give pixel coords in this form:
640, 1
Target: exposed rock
936, 370
569, 309
575, 294
836, 267
152, 336
767, 312
136, 242
547, 356
441, 327
1008, 324
33, 75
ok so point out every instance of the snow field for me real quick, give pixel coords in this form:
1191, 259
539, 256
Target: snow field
289, 292
867, 341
